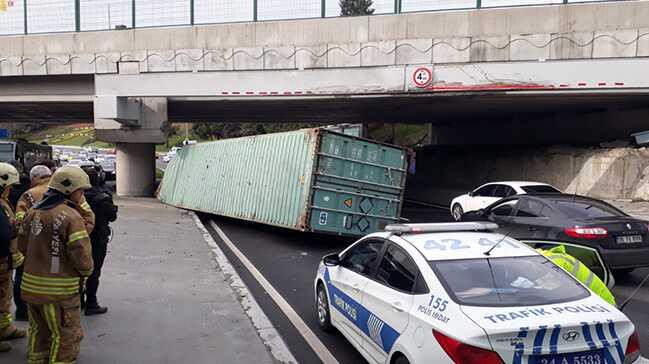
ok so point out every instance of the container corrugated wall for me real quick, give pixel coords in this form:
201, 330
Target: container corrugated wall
310, 180
262, 178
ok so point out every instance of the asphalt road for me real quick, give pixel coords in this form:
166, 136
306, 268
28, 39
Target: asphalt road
288, 260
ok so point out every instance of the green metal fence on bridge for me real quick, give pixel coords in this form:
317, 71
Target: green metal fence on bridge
46, 16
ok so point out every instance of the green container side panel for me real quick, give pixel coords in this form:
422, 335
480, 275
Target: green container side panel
358, 187
263, 178
312, 179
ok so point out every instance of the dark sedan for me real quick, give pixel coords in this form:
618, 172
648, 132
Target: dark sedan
622, 240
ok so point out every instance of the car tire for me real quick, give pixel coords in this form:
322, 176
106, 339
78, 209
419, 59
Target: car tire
621, 274
457, 212
322, 309
401, 360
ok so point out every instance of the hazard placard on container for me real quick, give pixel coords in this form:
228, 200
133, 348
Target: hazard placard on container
422, 77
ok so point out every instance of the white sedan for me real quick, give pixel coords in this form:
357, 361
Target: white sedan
489, 193
458, 293
168, 157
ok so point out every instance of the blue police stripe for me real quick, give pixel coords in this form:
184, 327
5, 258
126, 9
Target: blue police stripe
554, 339
585, 328
538, 340
362, 318
618, 345
520, 347
600, 335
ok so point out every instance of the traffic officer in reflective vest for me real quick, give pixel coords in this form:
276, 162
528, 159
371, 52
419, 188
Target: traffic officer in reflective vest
40, 176
8, 178
58, 259
573, 266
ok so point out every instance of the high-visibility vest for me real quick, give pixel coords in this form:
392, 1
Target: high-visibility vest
577, 269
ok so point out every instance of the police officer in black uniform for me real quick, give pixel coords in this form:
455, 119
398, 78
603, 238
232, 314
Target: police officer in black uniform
101, 203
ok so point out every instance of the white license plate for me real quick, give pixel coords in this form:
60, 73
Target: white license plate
589, 357
629, 239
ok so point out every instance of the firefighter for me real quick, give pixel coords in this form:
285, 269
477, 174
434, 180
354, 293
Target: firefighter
40, 176
11, 260
584, 275
58, 259
101, 202
6, 235
39, 185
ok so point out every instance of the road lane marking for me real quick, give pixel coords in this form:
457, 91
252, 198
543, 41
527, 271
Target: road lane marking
265, 329
316, 345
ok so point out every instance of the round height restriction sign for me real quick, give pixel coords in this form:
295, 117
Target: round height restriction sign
422, 77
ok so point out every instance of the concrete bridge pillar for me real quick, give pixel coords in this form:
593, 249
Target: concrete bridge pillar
135, 169
135, 140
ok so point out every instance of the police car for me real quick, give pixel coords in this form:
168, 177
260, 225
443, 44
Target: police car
459, 293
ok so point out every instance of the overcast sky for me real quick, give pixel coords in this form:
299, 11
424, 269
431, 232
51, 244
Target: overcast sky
58, 15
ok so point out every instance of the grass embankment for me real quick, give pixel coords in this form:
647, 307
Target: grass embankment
71, 135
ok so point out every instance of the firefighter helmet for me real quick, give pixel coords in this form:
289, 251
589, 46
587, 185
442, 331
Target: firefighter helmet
8, 175
69, 179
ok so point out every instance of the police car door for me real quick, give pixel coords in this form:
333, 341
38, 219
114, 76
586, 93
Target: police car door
349, 279
388, 300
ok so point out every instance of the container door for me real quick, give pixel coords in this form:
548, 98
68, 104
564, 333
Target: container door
358, 185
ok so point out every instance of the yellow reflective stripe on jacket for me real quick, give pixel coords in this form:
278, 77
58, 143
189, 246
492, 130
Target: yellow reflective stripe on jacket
20, 215
5, 321
582, 273
77, 236
69, 280
86, 206
18, 259
49, 288
571, 265
48, 291
55, 286
37, 282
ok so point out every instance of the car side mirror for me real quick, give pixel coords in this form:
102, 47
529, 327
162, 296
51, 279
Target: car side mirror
470, 193
331, 260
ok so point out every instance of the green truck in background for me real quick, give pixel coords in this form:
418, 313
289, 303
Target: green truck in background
314, 180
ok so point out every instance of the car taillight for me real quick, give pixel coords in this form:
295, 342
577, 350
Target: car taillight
462, 353
632, 349
586, 232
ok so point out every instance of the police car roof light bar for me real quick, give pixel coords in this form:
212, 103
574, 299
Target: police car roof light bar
399, 229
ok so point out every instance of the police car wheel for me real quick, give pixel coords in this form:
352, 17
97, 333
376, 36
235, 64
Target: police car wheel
457, 212
322, 309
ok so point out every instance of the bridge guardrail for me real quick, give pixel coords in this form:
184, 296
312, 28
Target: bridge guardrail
50, 16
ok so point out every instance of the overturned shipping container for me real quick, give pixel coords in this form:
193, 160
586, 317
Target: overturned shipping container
309, 180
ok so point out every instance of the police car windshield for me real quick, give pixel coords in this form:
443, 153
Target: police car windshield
511, 281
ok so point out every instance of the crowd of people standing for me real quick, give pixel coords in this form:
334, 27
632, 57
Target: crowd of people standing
54, 235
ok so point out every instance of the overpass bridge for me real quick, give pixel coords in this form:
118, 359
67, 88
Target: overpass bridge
530, 74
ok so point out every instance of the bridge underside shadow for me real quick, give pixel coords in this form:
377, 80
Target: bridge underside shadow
438, 109
46, 112
459, 118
